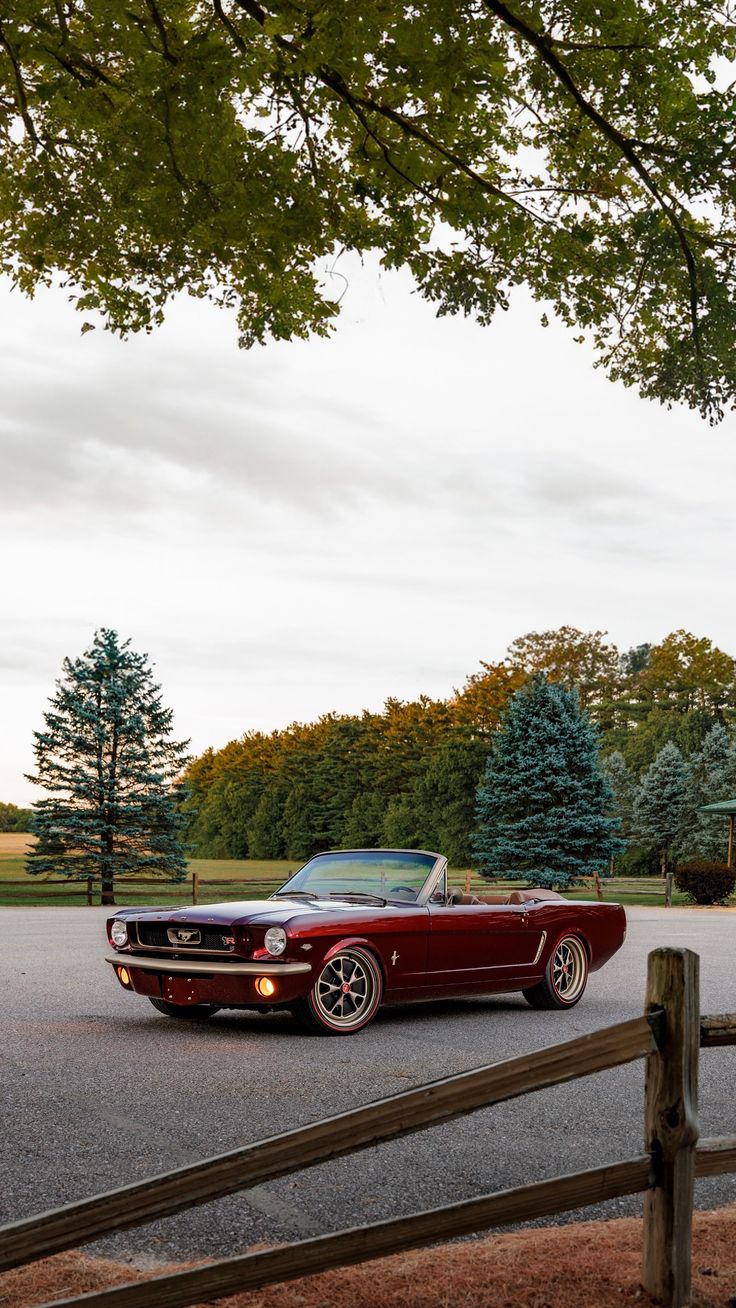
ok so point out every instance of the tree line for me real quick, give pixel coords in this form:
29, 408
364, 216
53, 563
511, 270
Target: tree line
13, 818
409, 775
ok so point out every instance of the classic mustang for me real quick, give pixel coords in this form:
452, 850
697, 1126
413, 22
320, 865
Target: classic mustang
354, 929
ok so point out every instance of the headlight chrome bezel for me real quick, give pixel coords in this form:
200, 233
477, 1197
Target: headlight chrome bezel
274, 940
122, 931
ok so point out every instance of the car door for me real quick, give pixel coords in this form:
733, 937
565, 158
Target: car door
470, 944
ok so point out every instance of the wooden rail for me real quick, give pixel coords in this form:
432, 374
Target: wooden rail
347, 1133
362, 1243
669, 1036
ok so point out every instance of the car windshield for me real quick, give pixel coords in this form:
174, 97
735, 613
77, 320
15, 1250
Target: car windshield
373, 874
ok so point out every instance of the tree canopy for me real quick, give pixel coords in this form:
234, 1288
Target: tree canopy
408, 775
231, 148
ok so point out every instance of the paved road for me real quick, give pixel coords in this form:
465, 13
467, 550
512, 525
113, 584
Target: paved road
97, 1089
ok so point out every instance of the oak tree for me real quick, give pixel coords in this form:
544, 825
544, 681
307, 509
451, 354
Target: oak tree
230, 148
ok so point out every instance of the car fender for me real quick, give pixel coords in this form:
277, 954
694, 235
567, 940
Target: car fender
358, 942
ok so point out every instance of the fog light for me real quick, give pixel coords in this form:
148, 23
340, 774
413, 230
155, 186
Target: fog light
265, 986
123, 976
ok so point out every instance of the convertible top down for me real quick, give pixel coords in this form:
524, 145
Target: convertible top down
355, 929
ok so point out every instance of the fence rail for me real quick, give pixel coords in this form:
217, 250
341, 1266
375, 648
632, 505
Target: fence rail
193, 889
669, 1036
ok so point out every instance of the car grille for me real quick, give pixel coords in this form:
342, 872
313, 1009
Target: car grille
155, 936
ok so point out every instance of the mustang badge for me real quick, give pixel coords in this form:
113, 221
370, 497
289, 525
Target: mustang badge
178, 936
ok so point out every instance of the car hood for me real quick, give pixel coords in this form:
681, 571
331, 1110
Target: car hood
242, 912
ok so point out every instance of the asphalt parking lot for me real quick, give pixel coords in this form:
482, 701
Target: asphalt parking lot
97, 1089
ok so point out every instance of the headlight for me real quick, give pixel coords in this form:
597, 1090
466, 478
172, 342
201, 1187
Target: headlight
275, 940
119, 934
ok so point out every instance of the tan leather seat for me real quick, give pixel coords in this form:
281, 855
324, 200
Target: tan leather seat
511, 897
532, 896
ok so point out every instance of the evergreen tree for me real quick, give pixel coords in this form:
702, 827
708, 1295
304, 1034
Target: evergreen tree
110, 767
542, 813
660, 808
623, 789
711, 776
264, 829
447, 794
297, 825
402, 827
364, 823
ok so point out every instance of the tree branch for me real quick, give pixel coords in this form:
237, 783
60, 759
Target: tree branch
21, 98
335, 82
624, 145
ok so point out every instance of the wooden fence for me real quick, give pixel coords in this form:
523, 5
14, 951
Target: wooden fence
669, 1036
192, 891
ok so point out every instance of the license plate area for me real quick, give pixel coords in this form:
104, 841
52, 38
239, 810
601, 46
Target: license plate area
180, 990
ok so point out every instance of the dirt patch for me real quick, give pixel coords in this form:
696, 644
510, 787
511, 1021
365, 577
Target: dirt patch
15, 842
582, 1265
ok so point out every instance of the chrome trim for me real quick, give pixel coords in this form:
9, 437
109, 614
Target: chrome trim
195, 967
538, 954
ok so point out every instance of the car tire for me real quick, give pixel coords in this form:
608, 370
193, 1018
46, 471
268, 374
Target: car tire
330, 1008
195, 1012
565, 978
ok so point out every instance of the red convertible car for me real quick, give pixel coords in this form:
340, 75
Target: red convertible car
354, 929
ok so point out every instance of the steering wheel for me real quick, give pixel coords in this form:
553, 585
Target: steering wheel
409, 890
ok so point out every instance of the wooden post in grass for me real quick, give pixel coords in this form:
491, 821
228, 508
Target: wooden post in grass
671, 1124
90, 890
468, 875
195, 887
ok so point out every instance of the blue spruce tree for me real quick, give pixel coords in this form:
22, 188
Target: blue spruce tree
110, 769
711, 777
660, 811
543, 807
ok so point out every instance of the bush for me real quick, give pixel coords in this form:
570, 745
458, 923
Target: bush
704, 882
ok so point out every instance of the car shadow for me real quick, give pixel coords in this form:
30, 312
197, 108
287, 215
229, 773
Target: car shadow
238, 1022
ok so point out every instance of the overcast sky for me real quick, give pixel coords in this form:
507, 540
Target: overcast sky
318, 525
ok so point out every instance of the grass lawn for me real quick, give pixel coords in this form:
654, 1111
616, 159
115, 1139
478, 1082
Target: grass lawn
251, 878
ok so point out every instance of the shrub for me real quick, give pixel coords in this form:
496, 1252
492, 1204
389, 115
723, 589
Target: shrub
704, 882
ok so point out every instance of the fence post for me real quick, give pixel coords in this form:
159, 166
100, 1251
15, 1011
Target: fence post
671, 1125
90, 890
195, 887
468, 875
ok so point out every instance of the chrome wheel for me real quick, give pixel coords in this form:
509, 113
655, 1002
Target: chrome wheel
345, 990
345, 995
565, 976
569, 971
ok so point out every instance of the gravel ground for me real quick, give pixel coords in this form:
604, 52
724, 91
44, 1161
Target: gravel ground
98, 1090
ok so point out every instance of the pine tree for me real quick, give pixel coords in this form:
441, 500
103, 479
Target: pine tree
364, 822
542, 812
297, 825
111, 770
446, 794
264, 829
623, 789
660, 808
711, 776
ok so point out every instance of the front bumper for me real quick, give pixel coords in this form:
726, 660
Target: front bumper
195, 967
206, 981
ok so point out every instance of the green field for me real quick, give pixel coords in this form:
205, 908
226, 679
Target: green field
247, 878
